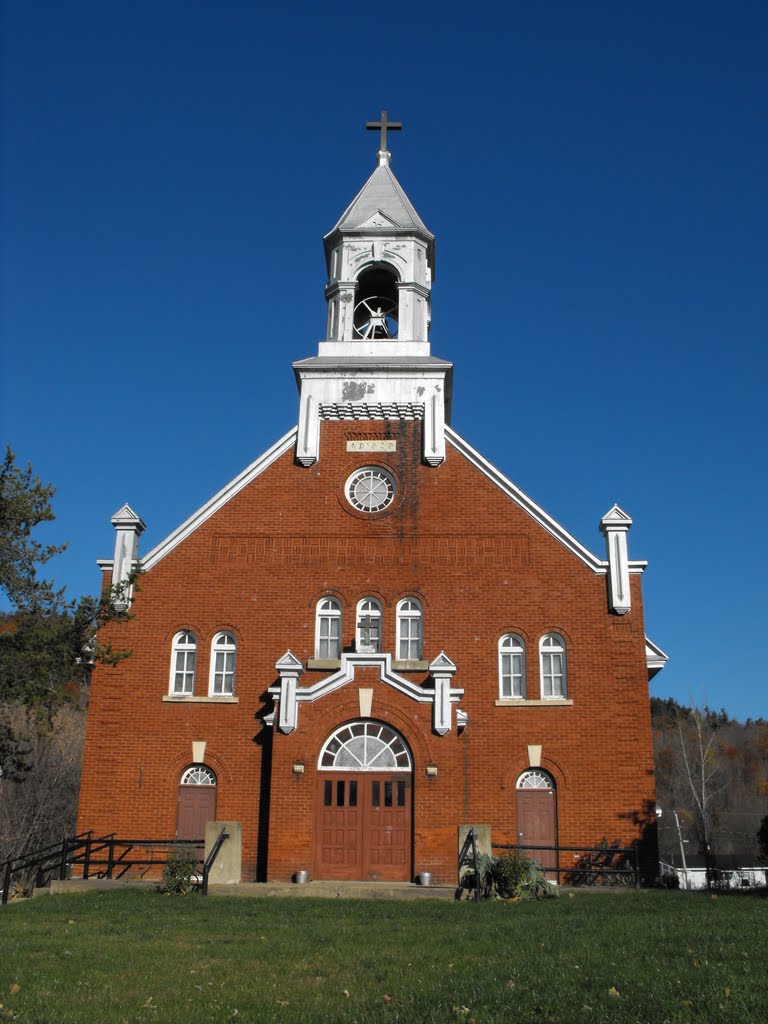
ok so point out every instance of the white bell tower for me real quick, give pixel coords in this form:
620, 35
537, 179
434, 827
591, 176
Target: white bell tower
375, 361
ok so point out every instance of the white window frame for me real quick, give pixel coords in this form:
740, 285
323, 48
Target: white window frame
409, 614
371, 607
221, 680
535, 778
198, 775
183, 664
512, 681
554, 684
382, 739
328, 616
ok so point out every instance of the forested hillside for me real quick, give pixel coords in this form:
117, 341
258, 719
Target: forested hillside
714, 772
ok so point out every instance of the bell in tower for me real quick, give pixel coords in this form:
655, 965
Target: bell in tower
375, 361
380, 258
376, 303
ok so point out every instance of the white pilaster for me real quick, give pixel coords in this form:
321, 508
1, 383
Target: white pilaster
614, 526
442, 669
308, 441
290, 669
128, 528
434, 428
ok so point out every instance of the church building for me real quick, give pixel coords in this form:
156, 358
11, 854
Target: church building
371, 638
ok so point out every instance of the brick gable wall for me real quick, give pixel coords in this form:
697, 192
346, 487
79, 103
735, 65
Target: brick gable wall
481, 567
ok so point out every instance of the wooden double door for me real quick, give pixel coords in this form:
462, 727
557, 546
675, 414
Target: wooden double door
363, 826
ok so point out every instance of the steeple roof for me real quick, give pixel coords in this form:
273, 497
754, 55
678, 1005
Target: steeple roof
382, 193
381, 205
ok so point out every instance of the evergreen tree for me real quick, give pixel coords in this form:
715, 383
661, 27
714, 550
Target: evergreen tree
47, 643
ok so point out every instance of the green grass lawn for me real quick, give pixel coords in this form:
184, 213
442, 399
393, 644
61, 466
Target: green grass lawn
139, 956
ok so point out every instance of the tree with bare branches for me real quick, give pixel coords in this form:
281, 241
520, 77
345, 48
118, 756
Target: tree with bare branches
703, 773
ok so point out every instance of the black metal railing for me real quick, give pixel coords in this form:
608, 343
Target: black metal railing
594, 865
210, 860
113, 858
41, 864
470, 861
93, 856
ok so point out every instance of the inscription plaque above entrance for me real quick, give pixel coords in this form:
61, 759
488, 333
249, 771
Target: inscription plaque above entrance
372, 446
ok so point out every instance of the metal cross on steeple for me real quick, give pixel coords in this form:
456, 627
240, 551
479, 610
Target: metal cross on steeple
382, 125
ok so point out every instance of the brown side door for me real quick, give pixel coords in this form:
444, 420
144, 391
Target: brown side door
537, 825
363, 827
197, 805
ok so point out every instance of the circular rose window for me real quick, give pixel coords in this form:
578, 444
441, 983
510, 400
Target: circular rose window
371, 489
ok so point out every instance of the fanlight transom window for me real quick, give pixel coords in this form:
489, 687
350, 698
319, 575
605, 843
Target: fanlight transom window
535, 780
198, 775
365, 747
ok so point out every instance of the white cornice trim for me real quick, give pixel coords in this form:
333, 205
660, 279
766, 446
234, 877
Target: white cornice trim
346, 674
225, 494
597, 565
655, 658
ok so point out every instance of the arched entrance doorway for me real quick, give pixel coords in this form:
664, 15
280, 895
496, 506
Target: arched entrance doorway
363, 805
537, 817
197, 802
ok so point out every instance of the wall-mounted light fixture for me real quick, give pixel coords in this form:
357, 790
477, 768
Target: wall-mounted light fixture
298, 768
431, 771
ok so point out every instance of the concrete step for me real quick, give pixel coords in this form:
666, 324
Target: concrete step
337, 890
97, 884
319, 889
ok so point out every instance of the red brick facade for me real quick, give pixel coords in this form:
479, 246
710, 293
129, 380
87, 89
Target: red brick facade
481, 566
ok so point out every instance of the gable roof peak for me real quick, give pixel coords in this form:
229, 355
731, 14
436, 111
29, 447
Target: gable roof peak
382, 193
615, 516
125, 516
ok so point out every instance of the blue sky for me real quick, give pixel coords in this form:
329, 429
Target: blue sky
595, 175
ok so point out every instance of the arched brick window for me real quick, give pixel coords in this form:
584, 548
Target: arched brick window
223, 654
512, 667
409, 629
328, 630
368, 632
554, 679
183, 660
